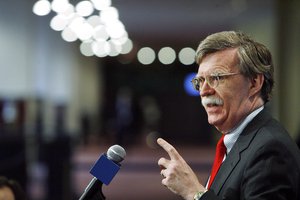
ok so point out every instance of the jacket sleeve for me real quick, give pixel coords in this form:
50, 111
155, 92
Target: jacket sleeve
271, 174
210, 195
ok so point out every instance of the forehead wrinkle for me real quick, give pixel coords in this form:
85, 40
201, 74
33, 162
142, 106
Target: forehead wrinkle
226, 59
217, 69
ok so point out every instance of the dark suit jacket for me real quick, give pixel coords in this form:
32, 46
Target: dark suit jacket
264, 164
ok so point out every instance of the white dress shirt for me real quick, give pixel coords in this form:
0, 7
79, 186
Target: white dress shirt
231, 137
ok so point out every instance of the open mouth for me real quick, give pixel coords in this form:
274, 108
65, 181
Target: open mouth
212, 105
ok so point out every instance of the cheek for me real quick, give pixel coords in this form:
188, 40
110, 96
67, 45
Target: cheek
233, 106
233, 97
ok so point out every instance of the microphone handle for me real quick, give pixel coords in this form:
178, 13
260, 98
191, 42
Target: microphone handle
93, 191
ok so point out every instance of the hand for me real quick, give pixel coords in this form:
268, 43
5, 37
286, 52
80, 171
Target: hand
177, 174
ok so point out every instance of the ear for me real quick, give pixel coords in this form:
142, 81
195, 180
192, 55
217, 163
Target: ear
256, 84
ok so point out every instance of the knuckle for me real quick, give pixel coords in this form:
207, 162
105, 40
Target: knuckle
172, 150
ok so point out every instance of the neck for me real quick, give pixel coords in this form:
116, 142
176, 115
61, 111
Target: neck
256, 103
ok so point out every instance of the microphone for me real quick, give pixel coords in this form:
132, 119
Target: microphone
104, 170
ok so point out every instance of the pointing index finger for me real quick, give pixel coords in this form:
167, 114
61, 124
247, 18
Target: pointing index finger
172, 152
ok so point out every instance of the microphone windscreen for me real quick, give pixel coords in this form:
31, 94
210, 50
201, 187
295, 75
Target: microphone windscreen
116, 153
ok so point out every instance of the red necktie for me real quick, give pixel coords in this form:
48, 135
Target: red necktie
220, 152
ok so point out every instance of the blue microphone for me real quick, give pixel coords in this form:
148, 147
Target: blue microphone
104, 170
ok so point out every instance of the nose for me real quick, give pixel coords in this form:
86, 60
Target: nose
206, 90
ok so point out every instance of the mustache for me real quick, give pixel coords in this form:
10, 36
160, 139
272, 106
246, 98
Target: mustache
211, 100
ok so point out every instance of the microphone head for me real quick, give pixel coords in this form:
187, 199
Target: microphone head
116, 153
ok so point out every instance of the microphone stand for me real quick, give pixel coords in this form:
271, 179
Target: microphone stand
93, 191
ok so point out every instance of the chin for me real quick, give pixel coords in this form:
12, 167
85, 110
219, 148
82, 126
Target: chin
214, 121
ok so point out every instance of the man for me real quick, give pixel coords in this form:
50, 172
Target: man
261, 161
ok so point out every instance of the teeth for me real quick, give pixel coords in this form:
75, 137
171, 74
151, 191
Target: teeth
212, 104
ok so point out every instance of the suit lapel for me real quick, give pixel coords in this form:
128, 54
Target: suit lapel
225, 170
241, 144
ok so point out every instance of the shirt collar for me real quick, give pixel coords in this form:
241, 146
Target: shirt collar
231, 137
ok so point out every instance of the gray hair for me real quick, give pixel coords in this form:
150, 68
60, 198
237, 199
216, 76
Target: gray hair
254, 57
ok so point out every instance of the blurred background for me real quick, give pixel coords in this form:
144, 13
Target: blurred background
62, 105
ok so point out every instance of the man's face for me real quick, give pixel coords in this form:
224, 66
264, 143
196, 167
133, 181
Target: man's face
228, 103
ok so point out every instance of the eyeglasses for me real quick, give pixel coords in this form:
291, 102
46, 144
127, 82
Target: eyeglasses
213, 80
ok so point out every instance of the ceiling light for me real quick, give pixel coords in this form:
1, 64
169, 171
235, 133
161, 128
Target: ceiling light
187, 56
167, 55
146, 55
103, 32
42, 7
